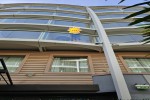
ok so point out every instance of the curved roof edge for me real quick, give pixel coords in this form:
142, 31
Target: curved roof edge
60, 4
41, 4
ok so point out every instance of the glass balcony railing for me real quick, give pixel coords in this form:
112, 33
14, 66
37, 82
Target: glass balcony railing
123, 38
46, 21
131, 10
33, 7
42, 7
37, 21
115, 24
121, 24
112, 16
64, 36
19, 34
27, 13
44, 13
70, 23
67, 37
71, 15
56, 36
72, 9
7, 13
107, 10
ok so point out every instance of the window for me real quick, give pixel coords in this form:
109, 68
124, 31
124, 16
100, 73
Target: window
138, 65
12, 62
70, 64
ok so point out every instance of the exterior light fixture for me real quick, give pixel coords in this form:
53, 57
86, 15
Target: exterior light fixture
142, 86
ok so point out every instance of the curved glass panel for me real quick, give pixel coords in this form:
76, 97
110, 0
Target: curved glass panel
120, 38
71, 15
137, 37
32, 7
27, 13
132, 9
107, 10
142, 15
113, 16
36, 13
69, 23
72, 9
20, 34
42, 7
115, 24
7, 13
67, 37
18, 7
38, 21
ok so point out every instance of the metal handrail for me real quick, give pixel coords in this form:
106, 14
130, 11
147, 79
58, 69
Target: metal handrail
5, 70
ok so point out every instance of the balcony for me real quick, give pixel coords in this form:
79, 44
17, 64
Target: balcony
36, 40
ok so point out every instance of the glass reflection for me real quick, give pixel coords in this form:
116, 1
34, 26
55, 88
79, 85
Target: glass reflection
67, 37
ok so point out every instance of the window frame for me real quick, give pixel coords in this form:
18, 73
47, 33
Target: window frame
25, 56
132, 55
51, 59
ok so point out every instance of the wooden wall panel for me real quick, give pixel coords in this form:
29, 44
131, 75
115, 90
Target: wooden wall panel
99, 63
34, 69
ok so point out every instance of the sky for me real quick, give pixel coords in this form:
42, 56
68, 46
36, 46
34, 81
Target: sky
76, 2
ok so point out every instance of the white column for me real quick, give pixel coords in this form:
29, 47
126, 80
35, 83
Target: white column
116, 73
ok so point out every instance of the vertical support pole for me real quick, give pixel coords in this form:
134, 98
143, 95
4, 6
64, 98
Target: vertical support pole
117, 76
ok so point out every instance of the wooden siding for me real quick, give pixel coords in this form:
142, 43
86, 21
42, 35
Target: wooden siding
34, 69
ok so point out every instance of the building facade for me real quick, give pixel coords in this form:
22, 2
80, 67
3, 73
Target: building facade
106, 60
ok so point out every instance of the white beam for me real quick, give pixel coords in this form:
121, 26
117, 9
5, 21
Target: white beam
117, 76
